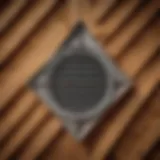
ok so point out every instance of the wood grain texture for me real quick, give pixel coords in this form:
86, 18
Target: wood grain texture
127, 30
67, 148
10, 12
154, 151
33, 51
132, 29
19, 109
117, 18
37, 116
143, 90
23, 27
102, 8
49, 131
144, 131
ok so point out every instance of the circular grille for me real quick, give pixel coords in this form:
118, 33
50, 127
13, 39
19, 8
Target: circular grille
78, 83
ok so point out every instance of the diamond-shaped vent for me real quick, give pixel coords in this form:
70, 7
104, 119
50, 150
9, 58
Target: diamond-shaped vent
79, 82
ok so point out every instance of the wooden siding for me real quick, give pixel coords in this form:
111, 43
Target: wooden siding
31, 31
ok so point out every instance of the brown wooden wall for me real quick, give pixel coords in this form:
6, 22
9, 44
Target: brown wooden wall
31, 31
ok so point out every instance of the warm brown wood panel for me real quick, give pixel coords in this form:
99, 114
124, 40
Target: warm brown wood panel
144, 131
17, 111
32, 55
35, 13
129, 32
154, 152
10, 12
18, 137
128, 111
118, 17
49, 131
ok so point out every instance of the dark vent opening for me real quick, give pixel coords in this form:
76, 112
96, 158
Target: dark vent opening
78, 83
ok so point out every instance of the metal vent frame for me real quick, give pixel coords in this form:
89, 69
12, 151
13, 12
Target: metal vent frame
118, 84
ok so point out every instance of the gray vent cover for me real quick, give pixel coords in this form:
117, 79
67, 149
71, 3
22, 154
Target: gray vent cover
80, 82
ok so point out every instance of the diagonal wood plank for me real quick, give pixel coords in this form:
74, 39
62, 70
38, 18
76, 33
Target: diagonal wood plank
130, 31
67, 148
143, 90
117, 18
18, 110
10, 12
23, 27
137, 61
141, 52
144, 131
34, 54
18, 137
153, 153
39, 143
102, 8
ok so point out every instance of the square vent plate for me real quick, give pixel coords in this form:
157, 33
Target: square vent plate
80, 82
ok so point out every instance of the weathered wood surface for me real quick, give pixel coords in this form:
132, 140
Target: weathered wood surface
31, 31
